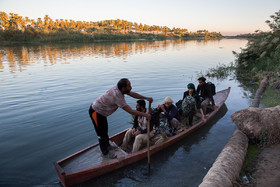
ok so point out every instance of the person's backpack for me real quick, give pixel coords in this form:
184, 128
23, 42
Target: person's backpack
188, 105
212, 87
178, 105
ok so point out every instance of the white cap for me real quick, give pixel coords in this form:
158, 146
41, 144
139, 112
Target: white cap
168, 100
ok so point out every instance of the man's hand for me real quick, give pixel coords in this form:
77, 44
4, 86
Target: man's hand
203, 119
150, 99
133, 131
162, 107
136, 133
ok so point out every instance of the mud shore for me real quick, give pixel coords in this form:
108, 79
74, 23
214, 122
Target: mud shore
267, 170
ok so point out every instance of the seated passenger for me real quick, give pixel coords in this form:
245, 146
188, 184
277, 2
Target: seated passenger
170, 112
139, 129
191, 103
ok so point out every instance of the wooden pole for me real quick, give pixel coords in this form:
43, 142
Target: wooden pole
148, 142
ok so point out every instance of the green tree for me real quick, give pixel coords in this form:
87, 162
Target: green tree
274, 24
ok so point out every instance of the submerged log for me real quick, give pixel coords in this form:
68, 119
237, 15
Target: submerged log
259, 124
261, 89
227, 166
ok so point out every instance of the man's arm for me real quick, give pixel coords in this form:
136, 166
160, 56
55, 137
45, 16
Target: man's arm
202, 115
138, 96
128, 109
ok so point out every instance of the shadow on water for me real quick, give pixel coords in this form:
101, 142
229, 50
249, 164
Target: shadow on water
180, 152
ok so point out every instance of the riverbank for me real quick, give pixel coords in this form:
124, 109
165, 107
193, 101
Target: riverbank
19, 37
261, 128
267, 169
260, 60
77, 37
264, 169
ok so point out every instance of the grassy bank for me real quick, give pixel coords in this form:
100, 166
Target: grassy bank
249, 163
33, 35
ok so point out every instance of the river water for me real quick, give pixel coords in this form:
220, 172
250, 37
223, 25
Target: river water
46, 91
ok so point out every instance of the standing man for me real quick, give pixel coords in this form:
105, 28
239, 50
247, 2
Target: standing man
205, 93
107, 104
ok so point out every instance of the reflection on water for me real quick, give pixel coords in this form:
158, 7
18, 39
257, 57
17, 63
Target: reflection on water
18, 58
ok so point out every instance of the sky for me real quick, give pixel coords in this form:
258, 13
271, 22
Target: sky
230, 17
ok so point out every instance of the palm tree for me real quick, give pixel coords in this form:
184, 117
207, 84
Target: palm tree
47, 20
39, 23
4, 22
27, 21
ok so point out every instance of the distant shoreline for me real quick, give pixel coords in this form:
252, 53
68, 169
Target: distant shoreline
70, 40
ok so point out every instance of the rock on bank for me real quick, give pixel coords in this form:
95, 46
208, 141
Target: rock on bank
259, 124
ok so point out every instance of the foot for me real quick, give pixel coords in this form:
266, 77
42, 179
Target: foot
123, 147
112, 147
110, 155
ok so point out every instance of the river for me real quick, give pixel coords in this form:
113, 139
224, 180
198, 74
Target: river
46, 91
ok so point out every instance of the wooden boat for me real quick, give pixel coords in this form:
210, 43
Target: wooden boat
89, 162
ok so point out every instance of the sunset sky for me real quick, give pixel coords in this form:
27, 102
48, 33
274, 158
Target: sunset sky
230, 17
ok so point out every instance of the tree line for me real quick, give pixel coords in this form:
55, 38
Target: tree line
13, 27
262, 53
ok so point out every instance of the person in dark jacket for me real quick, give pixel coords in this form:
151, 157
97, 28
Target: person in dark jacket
139, 129
194, 98
171, 112
205, 94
